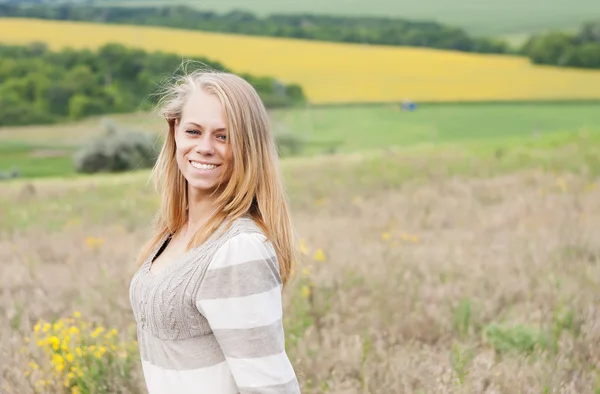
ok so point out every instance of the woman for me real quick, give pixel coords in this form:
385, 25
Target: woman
207, 295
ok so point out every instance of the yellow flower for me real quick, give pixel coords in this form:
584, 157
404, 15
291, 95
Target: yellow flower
306, 272
69, 357
100, 352
93, 242
75, 390
414, 239
59, 362
33, 365
73, 331
78, 352
305, 291
356, 200
54, 342
319, 255
57, 326
37, 327
97, 331
385, 236
46, 327
111, 334
303, 248
77, 314
77, 371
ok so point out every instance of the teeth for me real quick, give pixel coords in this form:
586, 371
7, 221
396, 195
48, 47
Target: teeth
203, 166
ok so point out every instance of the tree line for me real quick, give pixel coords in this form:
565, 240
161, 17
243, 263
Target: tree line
365, 30
579, 49
38, 85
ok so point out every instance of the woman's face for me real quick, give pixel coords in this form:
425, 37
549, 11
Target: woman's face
201, 141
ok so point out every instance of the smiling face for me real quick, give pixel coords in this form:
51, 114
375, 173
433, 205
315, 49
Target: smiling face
202, 150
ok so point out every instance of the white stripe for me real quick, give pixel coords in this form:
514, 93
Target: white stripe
214, 379
242, 248
255, 310
262, 371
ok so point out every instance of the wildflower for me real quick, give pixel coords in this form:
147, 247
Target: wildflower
46, 327
303, 248
33, 365
93, 242
59, 362
414, 239
54, 342
57, 326
305, 291
319, 255
385, 236
97, 331
77, 314
110, 334
306, 272
356, 200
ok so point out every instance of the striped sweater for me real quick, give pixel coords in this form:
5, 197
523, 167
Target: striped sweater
211, 320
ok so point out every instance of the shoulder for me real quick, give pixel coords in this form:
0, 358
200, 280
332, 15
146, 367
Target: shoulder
245, 264
245, 248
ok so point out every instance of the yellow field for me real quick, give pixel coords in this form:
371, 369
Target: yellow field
331, 72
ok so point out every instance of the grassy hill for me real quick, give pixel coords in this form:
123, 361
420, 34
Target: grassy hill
40, 151
485, 17
335, 72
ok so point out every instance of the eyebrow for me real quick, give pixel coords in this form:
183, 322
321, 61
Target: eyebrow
220, 129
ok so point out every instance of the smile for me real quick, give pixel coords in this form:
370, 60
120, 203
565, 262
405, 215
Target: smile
202, 166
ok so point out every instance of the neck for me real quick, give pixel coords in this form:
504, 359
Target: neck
200, 207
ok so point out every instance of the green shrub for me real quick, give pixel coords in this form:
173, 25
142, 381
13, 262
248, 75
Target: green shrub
117, 151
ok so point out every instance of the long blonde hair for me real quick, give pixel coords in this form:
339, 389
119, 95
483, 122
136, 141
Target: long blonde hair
255, 186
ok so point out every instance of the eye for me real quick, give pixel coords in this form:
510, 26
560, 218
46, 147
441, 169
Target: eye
223, 137
192, 131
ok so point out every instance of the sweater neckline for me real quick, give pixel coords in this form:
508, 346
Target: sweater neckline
171, 265
183, 258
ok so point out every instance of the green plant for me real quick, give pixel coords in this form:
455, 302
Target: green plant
117, 151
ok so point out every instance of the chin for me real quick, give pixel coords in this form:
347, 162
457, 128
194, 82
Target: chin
201, 186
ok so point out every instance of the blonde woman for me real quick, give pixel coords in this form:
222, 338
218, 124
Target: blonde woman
207, 297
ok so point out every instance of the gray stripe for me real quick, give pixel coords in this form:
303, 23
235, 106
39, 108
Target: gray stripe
290, 387
252, 342
240, 280
182, 354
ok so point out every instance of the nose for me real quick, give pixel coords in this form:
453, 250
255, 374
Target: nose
205, 145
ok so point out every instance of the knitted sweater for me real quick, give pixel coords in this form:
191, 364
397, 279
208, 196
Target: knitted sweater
211, 320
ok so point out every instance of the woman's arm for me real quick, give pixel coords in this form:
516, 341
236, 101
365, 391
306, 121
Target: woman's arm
240, 296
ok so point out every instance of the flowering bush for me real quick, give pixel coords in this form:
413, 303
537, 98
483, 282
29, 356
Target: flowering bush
72, 356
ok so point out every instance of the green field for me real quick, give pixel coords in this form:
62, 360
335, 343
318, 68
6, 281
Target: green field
485, 17
47, 150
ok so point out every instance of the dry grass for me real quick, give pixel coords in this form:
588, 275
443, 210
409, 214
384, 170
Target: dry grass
334, 72
437, 285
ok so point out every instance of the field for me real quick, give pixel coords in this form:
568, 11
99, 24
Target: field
483, 18
472, 268
48, 150
333, 72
